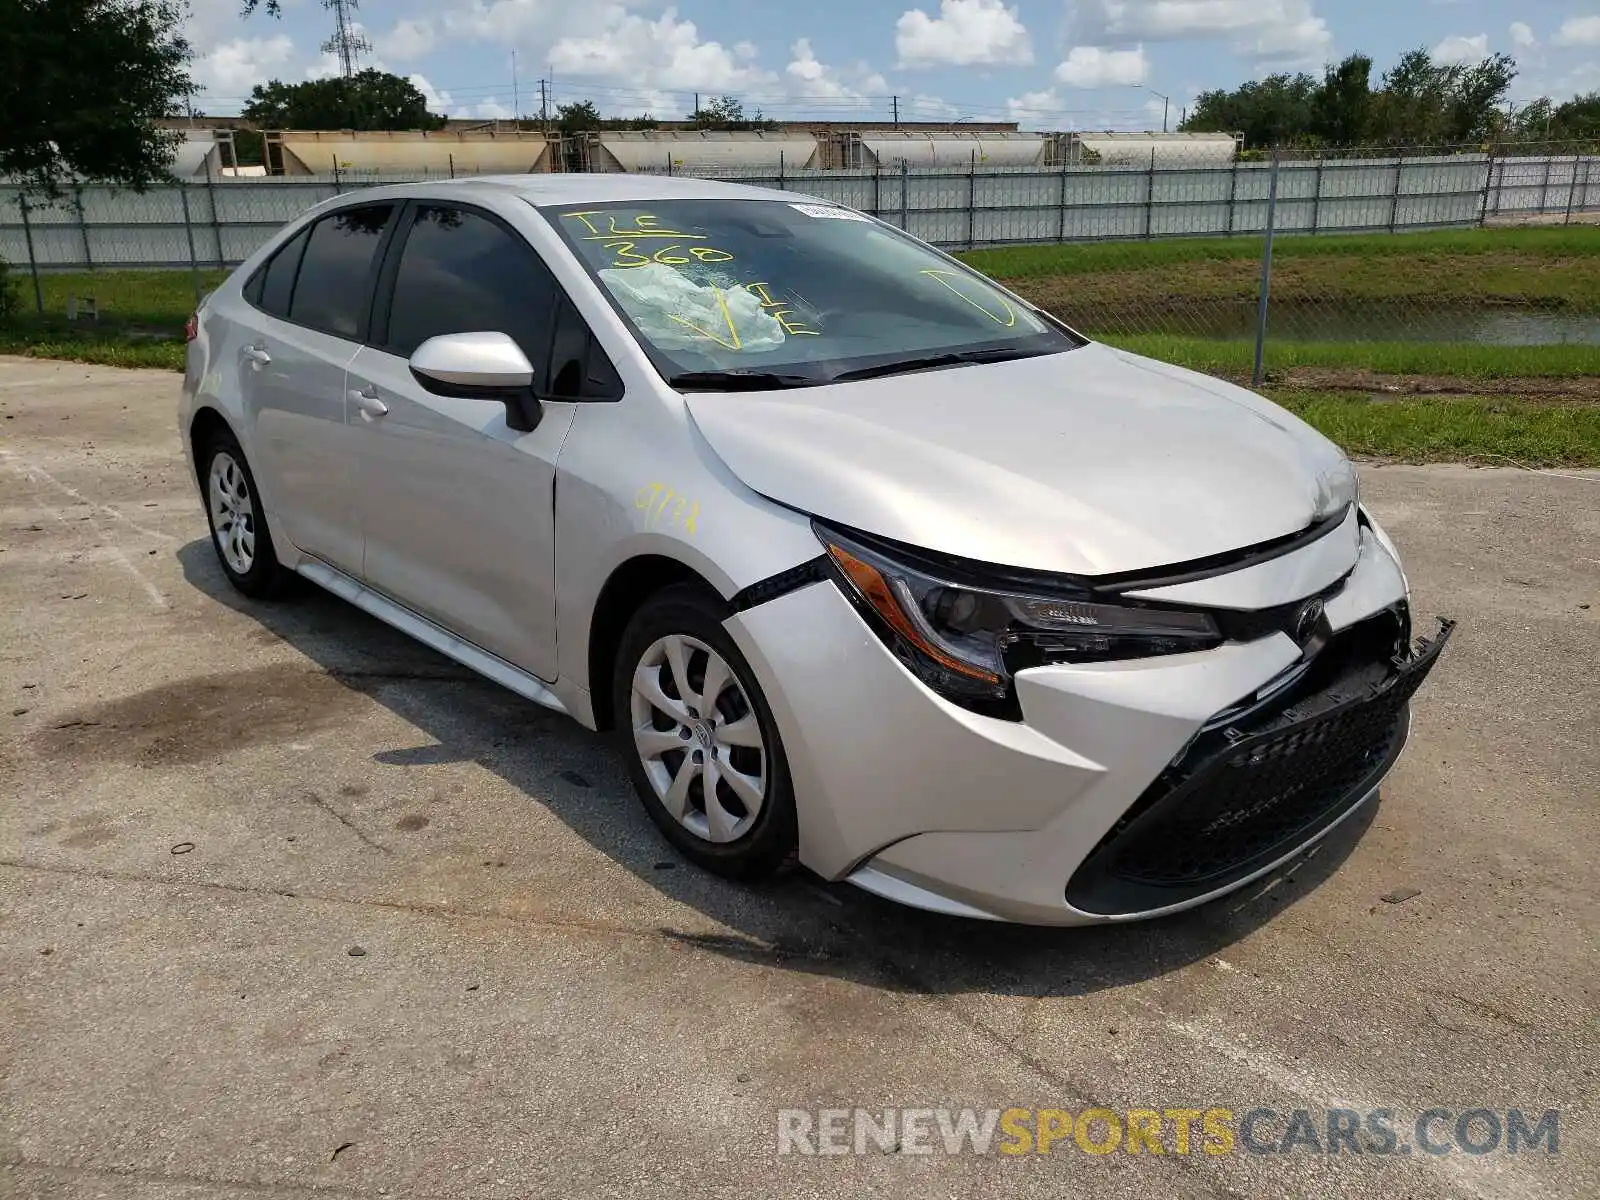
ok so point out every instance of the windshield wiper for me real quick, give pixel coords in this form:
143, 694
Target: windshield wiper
927, 362
739, 381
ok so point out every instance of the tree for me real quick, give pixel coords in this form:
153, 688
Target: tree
581, 116
1267, 112
1420, 102
366, 100
1342, 106
1577, 118
81, 83
725, 112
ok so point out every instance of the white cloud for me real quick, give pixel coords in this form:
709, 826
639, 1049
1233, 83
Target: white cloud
931, 107
965, 33
1093, 67
1459, 50
1579, 31
229, 71
1035, 110
1284, 31
409, 39
661, 54
806, 77
437, 101
1522, 35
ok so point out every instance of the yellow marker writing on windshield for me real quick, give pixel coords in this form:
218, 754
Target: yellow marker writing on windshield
1008, 316
733, 333
780, 311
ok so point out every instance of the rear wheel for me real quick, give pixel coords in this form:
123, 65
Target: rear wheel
701, 743
238, 528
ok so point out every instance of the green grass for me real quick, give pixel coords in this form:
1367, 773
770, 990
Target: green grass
140, 324
1474, 429
1081, 258
106, 346
1129, 284
157, 300
1465, 360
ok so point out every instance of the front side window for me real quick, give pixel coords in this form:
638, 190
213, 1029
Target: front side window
460, 272
334, 286
792, 293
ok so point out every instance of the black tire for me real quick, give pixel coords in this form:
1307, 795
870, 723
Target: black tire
770, 845
265, 578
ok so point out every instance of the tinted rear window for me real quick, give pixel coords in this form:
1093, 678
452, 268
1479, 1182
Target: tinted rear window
335, 282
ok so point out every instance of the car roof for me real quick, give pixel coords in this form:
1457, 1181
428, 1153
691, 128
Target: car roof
589, 189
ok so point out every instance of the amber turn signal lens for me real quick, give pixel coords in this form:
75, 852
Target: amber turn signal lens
875, 590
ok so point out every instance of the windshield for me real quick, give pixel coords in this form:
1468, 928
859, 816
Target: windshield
763, 293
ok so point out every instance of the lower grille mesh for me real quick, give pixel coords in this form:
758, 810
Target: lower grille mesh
1217, 815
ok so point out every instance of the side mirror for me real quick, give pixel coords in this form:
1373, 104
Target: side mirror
480, 366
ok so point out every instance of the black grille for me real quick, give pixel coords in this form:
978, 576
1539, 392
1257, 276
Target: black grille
1240, 799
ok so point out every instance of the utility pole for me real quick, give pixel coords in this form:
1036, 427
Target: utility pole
895, 102
1166, 104
346, 43
516, 99
544, 106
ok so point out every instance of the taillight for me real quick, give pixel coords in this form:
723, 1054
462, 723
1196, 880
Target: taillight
191, 327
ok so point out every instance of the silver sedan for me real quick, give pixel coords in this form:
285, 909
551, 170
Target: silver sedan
871, 565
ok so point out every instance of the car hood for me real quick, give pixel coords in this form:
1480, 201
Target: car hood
1089, 462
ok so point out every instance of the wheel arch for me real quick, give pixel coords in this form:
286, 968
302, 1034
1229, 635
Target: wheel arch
630, 584
205, 423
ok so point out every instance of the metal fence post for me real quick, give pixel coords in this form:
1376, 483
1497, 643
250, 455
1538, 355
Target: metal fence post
188, 232
83, 226
452, 159
1572, 189
338, 187
1150, 196
1316, 197
905, 193
1488, 182
877, 198
669, 162
1544, 188
1233, 193
972, 200
781, 186
1394, 201
216, 220
1266, 273
1061, 224
33, 261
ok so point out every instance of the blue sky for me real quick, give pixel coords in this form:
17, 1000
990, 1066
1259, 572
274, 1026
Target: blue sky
1054, 64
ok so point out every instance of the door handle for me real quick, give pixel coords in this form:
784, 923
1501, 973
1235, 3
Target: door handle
367, 401
257, 355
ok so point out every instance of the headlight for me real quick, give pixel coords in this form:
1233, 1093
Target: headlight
1337, 490
966, 641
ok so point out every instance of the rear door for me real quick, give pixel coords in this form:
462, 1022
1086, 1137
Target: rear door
312, 301
457, 508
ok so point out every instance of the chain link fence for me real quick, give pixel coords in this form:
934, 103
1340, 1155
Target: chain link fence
1281, 251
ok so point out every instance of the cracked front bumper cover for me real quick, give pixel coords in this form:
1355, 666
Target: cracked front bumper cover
1244, 795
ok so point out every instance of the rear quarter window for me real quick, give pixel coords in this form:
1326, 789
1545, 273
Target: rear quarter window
334, 287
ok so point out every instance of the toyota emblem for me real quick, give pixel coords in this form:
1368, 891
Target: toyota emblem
1305, 620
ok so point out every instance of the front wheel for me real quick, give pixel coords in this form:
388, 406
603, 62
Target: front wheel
702, 747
